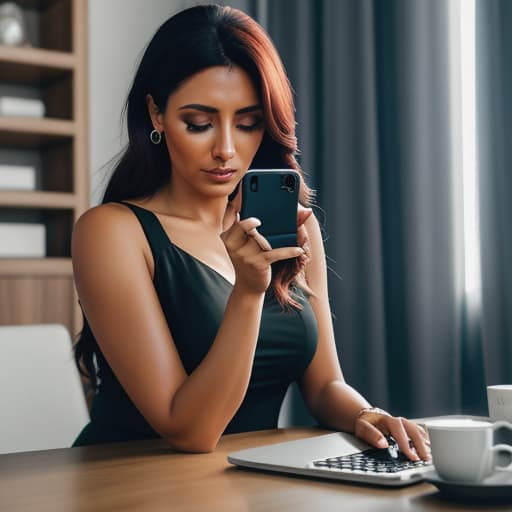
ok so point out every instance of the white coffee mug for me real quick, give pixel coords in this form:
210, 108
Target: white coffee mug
463, 450
499, 400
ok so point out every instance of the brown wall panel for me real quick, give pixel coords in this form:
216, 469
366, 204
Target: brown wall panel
33, 300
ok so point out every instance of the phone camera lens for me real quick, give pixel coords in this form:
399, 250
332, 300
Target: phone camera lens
289, 182
253, 184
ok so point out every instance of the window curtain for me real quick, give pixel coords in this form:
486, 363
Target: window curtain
372, 84
494, 116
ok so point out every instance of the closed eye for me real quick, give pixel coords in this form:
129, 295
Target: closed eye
250, 127
198, 128
195, 128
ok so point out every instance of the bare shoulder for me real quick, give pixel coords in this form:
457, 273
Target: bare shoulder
316, 269
314, 231
108, 230
105, 223
104, 217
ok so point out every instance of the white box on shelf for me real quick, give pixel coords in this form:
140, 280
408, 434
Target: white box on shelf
22, 240
17, 177
21, 107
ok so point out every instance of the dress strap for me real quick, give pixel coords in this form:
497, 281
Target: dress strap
153, 229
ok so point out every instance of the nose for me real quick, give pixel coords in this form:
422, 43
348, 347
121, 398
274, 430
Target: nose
224, 145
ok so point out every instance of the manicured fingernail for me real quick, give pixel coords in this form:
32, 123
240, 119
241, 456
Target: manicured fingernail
414, 456
382, 443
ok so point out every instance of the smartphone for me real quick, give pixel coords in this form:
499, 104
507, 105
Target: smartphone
272, 196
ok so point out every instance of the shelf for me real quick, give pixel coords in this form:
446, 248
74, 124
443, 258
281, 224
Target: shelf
33, 66
53, 69
51, 23
36, 267
25, 132
24, 199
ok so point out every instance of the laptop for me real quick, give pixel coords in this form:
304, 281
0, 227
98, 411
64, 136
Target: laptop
336, 456
340, 456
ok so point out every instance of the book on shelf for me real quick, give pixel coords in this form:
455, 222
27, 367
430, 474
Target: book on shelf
21, 107
22, 240
17, 177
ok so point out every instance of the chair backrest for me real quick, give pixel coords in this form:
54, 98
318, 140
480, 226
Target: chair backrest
42, 404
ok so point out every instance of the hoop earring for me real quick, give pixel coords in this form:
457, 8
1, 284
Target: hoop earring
155, 136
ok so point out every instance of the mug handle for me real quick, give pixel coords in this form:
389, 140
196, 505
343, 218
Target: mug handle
502, 447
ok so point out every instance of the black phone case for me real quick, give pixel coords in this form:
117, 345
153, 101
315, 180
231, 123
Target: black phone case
274, 202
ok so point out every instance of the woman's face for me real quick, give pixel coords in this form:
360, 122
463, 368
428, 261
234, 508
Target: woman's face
213, 125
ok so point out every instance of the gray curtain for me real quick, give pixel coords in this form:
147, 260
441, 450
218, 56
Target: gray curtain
494, 86
372, 95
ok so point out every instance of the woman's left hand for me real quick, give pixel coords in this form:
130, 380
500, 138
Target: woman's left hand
372, 427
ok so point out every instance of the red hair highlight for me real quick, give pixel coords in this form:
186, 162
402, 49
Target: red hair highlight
279, 113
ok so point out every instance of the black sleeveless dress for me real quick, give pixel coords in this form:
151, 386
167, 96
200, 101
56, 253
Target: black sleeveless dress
193, 298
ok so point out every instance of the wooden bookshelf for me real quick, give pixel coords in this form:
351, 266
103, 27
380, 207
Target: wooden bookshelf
33, 66
25, 127
49, 200
37, 266
34, 133
41, 290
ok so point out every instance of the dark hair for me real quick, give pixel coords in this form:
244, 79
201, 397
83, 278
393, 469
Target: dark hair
191, 41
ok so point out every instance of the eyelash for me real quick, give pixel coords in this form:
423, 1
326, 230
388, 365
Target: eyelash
199, 128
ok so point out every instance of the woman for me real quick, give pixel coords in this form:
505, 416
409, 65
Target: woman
197, 327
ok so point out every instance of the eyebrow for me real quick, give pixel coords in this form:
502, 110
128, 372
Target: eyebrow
212, 110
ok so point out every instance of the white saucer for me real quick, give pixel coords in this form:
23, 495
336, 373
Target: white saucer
496, 488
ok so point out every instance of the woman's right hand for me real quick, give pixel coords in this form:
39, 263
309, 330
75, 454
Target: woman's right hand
252, 255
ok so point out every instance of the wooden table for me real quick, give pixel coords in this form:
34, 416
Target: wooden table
148, 476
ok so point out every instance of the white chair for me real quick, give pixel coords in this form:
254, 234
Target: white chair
42, 404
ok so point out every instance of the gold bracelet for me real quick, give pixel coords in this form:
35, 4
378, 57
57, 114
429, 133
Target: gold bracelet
375, 410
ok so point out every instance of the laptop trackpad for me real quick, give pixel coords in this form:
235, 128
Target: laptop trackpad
301, 452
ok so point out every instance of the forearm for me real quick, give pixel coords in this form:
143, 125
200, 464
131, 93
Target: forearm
210, 396
337, 406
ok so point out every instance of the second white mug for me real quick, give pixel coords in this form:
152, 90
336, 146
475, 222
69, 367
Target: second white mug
499, 400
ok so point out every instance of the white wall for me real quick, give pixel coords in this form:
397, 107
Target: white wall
118, 33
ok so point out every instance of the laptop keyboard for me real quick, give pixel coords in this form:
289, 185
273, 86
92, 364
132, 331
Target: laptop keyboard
369, 461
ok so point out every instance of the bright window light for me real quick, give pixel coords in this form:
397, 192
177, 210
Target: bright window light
469, 155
